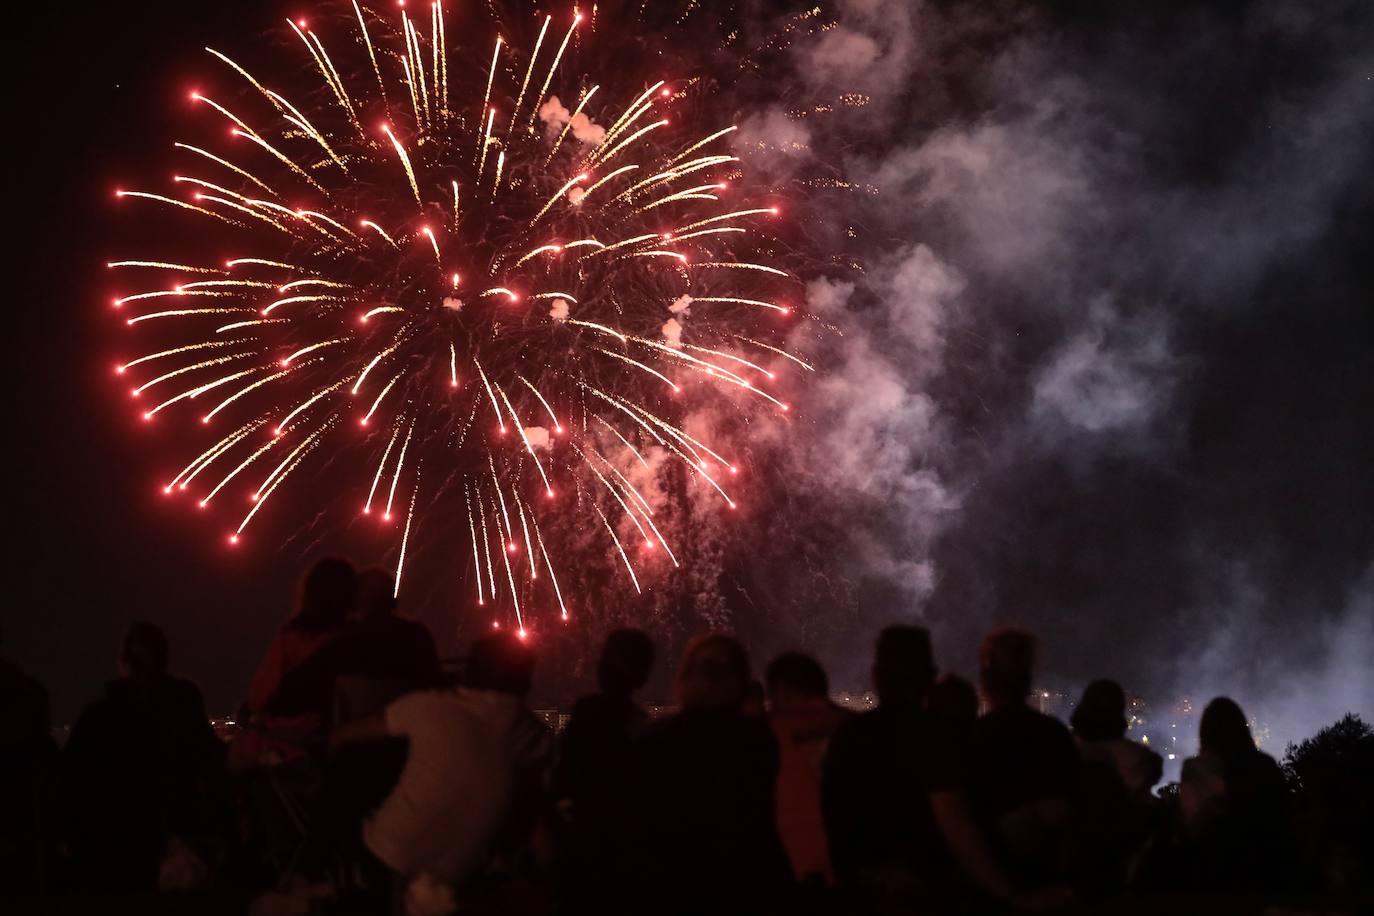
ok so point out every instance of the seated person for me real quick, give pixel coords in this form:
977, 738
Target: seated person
377, 644
803, 718
328, 596
1235, 806
141, 766
704, 837
1099, 728
474, 750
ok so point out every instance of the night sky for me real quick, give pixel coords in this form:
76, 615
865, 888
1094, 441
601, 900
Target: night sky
1106, 373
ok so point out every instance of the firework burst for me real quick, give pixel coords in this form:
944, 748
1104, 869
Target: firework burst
494, 281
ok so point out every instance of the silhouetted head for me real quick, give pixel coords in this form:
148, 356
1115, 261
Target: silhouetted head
953, 699
1223, 731
501, 662
903, 664
1101, 714
714, 674
144, 653
1006, 664
794, 676
328, 595
376, 594
627, 657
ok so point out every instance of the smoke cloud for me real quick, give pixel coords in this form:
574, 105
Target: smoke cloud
555, 116
1096, 375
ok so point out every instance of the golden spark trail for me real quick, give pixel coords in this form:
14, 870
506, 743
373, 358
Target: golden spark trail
623, 505
204, 459
395, 433
173, 313
369, 224
400, 463
557, 194
486, 100
744, 266
525, 529
476, 559
567, 127
495, 482
605, 178
515, 112
371, 365
167, 265
405, 539
372, 56
176, 203
557, 427
496, 408
558, 592
543, 91
246, 324
623, 555
367, 418
486, 142
236, 471
631, 139
628, 118
405, 161
486, 546
306, 405
626, 442
700, 143
209, 344
166, 376
634, 362
520, 427
228, 165
270, 480
263, 262
197, 392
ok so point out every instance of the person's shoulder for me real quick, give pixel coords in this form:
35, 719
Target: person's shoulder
181, 686
1134, 749
1046, 725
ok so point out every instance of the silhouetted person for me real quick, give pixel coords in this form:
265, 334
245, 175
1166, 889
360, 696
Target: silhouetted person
596, 762
139, 768
953, 700
1022, 765
27, 756
329, 594
1004, 801
377, 644
803, 719
1235, 807
879, 771
475, 755
705, 837
1099, 726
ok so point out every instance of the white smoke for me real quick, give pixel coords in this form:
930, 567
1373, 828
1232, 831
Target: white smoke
558, 311
555, 116
1034, 279
672, 332
538, 437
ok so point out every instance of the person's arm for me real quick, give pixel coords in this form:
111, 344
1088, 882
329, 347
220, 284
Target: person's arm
970, 848
368, 728
965, 840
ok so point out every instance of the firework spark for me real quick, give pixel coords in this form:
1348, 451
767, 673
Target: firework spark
420, 277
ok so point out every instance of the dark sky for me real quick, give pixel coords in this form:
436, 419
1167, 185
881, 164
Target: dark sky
1119, 285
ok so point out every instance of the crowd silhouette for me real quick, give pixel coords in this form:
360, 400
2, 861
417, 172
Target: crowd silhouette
369, 777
